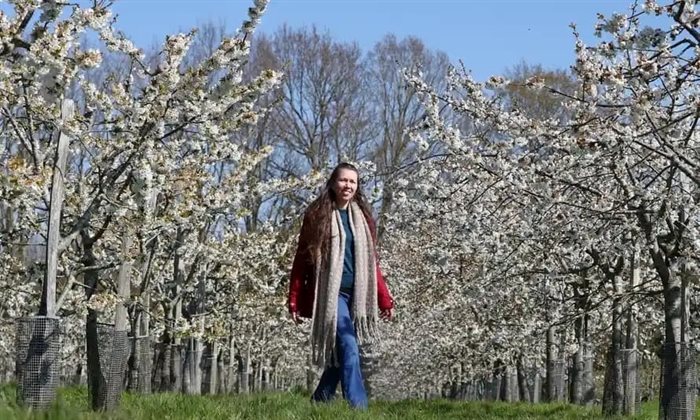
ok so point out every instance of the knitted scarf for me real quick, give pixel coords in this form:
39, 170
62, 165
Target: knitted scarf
364, 310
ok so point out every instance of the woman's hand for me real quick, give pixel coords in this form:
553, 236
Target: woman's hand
386, 314
296, 318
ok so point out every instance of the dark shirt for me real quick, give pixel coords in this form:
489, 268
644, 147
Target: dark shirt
348, 278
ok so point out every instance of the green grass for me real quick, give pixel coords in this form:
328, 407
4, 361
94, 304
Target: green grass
72, 404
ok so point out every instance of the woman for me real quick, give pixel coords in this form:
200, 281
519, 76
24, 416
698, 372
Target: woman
337, 282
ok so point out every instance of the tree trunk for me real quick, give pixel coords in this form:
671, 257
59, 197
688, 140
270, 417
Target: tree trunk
678, 396
187, 370
678, 381
550, 378
145, 362
232, 366
273, 378
613, 385
121, 316
523, 388
108, 346
245, 372
499, 370
192, 372
210, 368
588, 378
582, 372
652, 381
95, 378
158, 371
166, 365
253, 377
221, 386
37, 361
265, 368
135, 359
214, 369
632, 398
258, 375
577, 376
511, 382
537, 388
562, 371
458, 389
193, 375
176, 366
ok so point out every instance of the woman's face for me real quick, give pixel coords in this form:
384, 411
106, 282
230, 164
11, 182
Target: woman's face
345, 186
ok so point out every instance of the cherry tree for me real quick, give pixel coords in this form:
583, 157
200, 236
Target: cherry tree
150, 164
553, 205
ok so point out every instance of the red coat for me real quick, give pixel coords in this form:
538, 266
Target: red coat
302, 279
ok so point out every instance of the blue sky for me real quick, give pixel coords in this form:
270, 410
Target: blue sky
488, 35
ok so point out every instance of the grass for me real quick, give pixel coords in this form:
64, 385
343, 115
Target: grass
72, 404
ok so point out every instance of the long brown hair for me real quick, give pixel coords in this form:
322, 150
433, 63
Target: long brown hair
320, 212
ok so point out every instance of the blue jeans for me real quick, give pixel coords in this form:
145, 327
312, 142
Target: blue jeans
348, 373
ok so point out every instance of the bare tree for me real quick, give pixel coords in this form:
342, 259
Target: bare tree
542, 103
324, 115
397, 107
